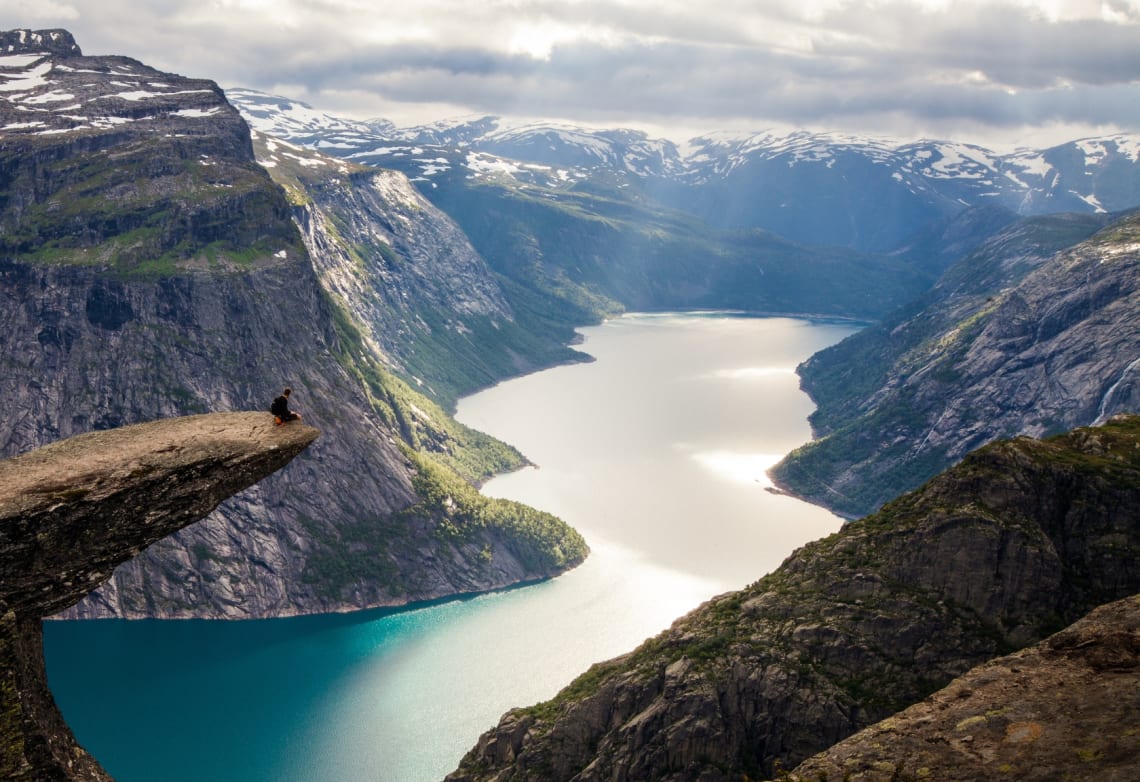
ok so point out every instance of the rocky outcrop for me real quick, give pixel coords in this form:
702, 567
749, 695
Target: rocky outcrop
1066, 708
1034, 332
1020, 539
59, 42
149, 267
72, 511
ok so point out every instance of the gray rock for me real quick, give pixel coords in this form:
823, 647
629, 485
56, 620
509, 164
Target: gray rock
424, 299
1067, 708
1017, 339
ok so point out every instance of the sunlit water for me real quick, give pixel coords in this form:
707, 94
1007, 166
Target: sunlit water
656, 452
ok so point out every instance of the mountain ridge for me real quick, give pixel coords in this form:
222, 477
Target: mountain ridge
806, 186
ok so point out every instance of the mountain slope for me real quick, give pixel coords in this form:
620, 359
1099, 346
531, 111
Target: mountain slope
1064, 709
1020, 539
1017, 338
150, 268
423, 298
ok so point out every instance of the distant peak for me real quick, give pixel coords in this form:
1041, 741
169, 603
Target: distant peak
20, 41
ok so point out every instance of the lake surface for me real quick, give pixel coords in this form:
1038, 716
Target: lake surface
656, 452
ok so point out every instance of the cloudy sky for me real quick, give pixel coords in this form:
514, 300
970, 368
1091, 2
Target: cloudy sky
1001, 72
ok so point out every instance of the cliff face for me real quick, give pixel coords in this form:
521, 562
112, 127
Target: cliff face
70, 513
149, 267
424, 298
1034, 332
1020, 539
1064, 709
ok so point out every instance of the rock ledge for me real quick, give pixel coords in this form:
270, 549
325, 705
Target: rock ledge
70, 512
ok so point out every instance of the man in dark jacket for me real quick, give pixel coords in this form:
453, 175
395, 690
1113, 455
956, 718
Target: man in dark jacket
280, 408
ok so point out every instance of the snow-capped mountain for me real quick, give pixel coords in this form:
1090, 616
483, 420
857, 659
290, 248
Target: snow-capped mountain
547, 154
826, 188
870, 193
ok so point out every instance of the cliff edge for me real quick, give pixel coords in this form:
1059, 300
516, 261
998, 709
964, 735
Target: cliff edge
72, 511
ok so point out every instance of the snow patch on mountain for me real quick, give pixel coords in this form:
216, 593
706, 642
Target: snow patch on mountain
552, 154
27, 78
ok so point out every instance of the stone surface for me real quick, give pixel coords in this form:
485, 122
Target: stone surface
74, 510
70, 512
1020, 539
1067, 708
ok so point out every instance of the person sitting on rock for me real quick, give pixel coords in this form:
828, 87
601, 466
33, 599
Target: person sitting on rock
280, 408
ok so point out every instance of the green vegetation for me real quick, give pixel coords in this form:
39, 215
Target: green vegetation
540, 541
886, 470
158, 210
448, 461
1123, 232
475, 528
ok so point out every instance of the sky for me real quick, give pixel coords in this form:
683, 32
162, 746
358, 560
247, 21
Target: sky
1004, 73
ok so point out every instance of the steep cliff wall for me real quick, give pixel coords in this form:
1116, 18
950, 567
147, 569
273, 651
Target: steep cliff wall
70, 512
1017, 541
1037, 331
149, 267
424, 299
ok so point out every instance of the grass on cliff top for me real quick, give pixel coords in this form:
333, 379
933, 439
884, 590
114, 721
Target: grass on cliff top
155, 212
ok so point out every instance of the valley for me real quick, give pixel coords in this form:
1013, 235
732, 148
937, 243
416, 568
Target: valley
966, 322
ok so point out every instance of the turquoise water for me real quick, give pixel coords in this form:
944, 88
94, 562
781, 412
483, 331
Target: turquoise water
656, 452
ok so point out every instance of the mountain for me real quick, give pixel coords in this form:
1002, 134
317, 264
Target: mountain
872, 194
149, 267
1035, 331
869, 194
1016, 542
582, 237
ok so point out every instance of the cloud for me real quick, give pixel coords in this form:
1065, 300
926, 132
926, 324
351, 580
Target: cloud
925, 65
31, 13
